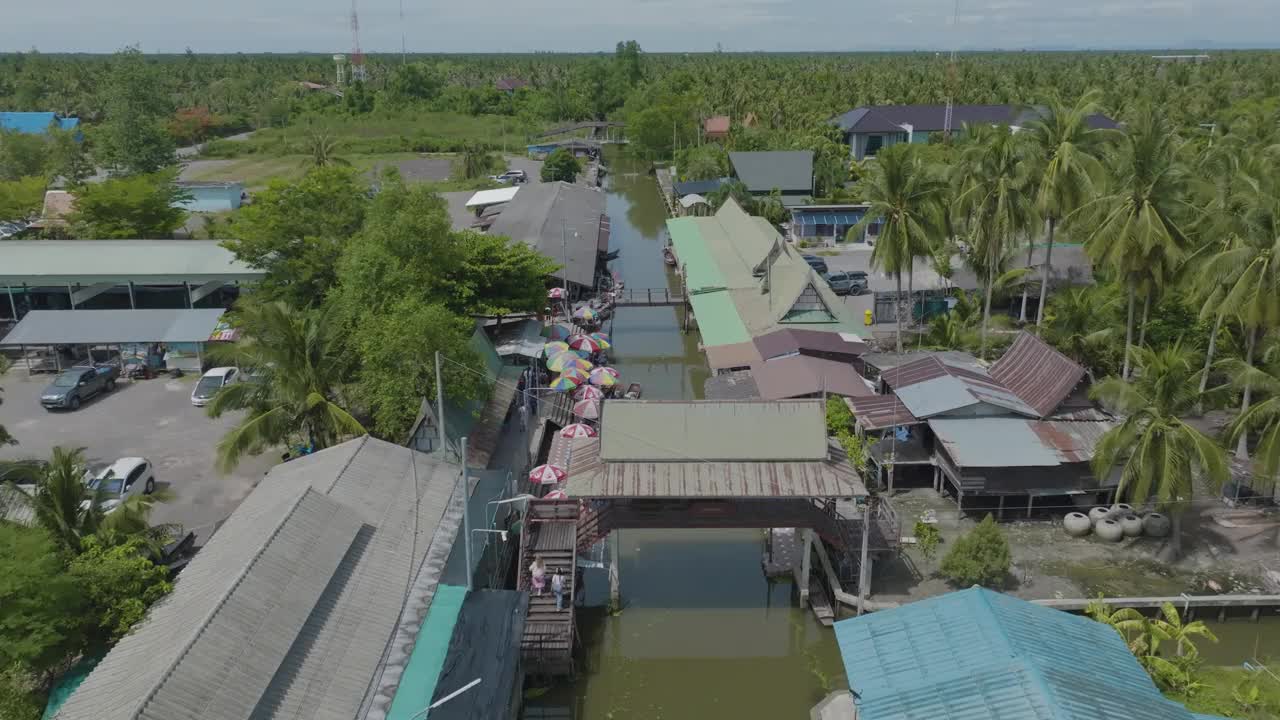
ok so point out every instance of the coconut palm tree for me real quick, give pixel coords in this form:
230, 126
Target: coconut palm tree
63, 506
996, 198
904, 196
1135, 232
1159, 455
1078, 322
1067, 150
1264, 417
322, 150
474, 162
298, 371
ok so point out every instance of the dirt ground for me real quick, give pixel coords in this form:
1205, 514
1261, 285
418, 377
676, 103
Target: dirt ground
1048, 563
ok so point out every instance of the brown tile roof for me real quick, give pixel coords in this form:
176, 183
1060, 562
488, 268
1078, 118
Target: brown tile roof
877, 412
801, 375
1039, 375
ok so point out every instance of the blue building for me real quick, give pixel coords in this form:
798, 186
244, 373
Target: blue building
212, 196
982, 655
37, 123
829, 224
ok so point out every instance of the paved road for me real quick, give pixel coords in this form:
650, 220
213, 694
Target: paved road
151, 418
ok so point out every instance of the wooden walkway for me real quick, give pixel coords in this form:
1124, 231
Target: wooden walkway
648, 297
550, 532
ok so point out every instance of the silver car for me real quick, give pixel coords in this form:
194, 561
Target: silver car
848, 283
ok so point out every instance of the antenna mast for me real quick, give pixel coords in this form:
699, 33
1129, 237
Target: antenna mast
357, 57
403, 58
951, 74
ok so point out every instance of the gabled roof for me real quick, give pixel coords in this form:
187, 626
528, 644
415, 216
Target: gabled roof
932, 386
718, 124
53, 262
791, 341
289, 610
786, 170
801, 375
981, 655
931, 118
1037, 373
555, 219
1018, 442
877, 412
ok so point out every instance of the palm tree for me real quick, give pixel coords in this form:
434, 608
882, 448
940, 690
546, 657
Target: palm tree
1264, 417
995, 196
475, 162
1159, 455
295, 357
1134, 228
1182, 634
1127, 621
1067, 151
1078, 322
322, 150
904, 196
63, 506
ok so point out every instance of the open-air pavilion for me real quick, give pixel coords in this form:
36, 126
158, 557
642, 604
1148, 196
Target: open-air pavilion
134, 333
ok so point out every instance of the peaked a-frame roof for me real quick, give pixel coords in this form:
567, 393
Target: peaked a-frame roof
982, 655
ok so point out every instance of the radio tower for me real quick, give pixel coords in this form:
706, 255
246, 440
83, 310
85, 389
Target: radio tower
357, 57
951, 74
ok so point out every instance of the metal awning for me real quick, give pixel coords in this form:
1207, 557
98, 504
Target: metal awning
828, 218
109, 327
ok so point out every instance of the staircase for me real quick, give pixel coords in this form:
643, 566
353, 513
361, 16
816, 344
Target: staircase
550, 532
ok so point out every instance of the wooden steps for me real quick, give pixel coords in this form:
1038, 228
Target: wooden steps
550, 533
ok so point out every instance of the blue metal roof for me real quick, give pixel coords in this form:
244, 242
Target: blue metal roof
35, 123
844, 218
981, 655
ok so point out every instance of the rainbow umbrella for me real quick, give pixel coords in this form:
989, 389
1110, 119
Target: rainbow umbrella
584, 343
600, 378
588, 409
563, 360
586, 313
609, 371
603, 340
557, 494
588, 392
576, 374
558, 331
556, 293
578, 430
564, 384
555, 347
547, 475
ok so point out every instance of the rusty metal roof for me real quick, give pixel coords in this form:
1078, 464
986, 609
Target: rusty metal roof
877, 412
1016, 442
790, 342
1038, 374
801, 375
932, 386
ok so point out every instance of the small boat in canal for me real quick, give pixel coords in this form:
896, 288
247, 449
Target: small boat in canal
669, 256
633, 392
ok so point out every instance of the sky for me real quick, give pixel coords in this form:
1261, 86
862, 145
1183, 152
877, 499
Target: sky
658, 25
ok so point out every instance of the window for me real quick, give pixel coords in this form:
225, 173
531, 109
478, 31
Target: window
874, 143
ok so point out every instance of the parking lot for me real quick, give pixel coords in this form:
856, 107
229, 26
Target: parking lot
149, 418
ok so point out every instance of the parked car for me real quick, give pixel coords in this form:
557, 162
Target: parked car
816, 263
72, 387
211, 383
121, 480
848, 283
514, 177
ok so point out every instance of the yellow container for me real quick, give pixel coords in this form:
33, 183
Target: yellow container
866, 317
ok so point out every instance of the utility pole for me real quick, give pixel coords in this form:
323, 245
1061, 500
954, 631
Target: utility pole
444, 443
951, 75
564, 274
864, 577
465, 492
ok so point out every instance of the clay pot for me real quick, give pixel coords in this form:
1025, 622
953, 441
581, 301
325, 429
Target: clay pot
1122, 508
1108, 530
1077, 524
1099, 513
1131, 525
1156, 525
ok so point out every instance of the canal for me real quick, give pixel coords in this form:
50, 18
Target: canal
702, 632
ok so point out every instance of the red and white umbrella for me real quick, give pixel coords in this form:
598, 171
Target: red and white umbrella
555, 293
603, 377
578, 430
588, 392
588, 409
556, 495
584, 342
547, 475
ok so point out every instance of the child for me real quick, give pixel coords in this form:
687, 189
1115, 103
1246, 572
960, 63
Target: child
538, 575
557, 589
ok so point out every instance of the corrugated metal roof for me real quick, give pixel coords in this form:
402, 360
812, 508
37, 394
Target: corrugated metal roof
57, 262
737, 385
786, 170
1038, 374
90, 327
981, 655
877, 412
15, 505
932, 386
493, 197
886, 361
801, 375
557, 219
737, 355
789, 341
1015, 442
36, 123
289, 609
931, 118
718, 319
662, 431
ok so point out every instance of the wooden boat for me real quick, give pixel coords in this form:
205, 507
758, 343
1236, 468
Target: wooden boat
633, 392
668, 256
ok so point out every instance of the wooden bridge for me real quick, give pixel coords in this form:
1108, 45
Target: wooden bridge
550, 532
648, 297
596, 128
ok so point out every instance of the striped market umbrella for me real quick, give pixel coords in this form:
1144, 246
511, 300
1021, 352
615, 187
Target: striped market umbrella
558, 331
578, 375
588, 392
556, 293
578, 430
603, 339
547, 475
564, 384
555, 347
557, 494
586, 313
559, 362
584, 343
587, 409
600, 378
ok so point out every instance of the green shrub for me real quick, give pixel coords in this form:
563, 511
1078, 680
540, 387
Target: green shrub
927, 538
981, 557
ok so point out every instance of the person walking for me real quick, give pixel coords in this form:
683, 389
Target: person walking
538, 575
557, 589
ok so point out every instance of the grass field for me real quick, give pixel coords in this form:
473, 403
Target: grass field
257, 171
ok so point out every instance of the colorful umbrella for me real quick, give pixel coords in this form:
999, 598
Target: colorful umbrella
588, 392
576, 374
556, 293
608, 371
585, 313
578, 430
603, 340
555, 347
563, 360
556, 494
564, 384
558, 331
584, 342
589, 409
547, 475
601, 378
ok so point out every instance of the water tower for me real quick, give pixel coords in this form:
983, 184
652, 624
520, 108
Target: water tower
340, 61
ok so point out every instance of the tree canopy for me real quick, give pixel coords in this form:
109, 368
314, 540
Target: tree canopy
132, 207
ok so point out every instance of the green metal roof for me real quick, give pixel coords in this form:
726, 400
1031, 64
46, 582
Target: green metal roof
55, 262
418, 683
699, 267
718, 320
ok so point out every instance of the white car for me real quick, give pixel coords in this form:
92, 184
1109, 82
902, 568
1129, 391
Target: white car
121, 480
211, 383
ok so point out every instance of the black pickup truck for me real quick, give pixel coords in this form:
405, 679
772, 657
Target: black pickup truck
75, 385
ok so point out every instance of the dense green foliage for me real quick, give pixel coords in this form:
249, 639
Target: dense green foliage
119, 583
43, 606
980, 557
560, 165
131, 207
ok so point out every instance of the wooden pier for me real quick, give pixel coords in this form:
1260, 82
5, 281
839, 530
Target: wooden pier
1211, 605
648, 297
